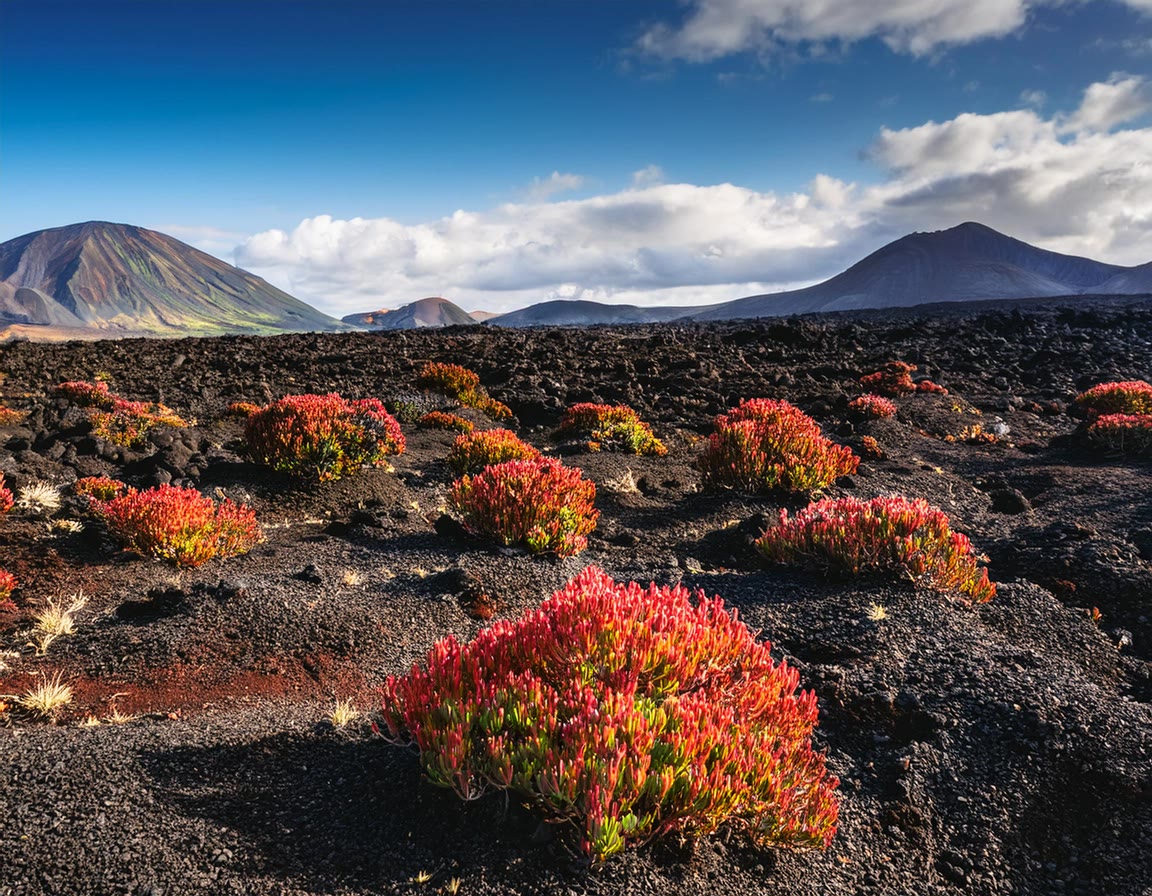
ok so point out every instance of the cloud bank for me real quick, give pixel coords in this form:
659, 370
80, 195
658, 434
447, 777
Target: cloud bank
1078, 181
716, 28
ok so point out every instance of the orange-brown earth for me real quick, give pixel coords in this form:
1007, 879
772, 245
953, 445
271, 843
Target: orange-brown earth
1004, 748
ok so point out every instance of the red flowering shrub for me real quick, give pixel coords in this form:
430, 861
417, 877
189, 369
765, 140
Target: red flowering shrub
180, 524
11, 416
873, 406
871, 447
764, 445
472, 452
1131, 398
539, 503
849, 536
100, 488
629, 713
442, 420
1125, 433
612, 427
6, 501
463, 385
322, 436
894, 378
242, 409
931, 387
129, 422
8, 584
84, 394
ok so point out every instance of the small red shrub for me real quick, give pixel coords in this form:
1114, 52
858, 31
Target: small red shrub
242, 409
11, 416
764, 445
872, 406
101, 488
84, 394
850, 536
442, 420
322, 436
894, 378
6, 500
539, 503
8, 584
180, 524
1129, 398
472, 452
629, 713
1124, 433
931, 387
463, 385
871, 447
612, 427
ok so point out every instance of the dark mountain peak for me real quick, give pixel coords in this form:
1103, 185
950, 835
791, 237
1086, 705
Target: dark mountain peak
433, 311
123, 279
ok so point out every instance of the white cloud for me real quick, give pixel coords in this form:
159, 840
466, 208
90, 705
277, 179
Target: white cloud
1076, 182
553, 184
1035, 98
1121, 99
648, 176
716, 28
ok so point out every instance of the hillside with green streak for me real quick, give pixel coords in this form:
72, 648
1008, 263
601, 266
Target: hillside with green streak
125, 280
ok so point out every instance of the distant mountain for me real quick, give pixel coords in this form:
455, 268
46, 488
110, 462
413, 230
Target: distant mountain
578, 313
481, 316
969, 262
430, 312
123, 280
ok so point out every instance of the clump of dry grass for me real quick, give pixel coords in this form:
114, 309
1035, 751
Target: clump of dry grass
877, 612
47, 698
351, 578
55, 621
344, 714
39, 497
624, 484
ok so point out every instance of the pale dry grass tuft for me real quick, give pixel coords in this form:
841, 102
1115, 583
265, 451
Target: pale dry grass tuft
344, 714
625, 484
351, 578
47, 698
39, 497
56, 621
877, 613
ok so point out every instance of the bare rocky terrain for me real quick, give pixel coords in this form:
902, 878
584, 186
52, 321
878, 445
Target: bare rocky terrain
998, 749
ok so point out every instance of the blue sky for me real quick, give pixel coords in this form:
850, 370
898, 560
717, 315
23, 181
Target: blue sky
364, 154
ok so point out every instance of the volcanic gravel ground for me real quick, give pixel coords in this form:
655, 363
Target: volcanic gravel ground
1005, 748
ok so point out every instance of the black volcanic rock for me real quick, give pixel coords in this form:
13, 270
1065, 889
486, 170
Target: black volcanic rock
122, 280
430, 312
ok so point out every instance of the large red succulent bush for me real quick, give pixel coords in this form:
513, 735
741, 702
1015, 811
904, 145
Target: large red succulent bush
628, 713
322, 437
463, 385
1133, 397
180, 524
848, 536
766, 445
538, 503
1124, 433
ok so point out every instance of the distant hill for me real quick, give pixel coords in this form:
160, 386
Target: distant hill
969, 262
578, 313
120, 280
966, 263
430, 312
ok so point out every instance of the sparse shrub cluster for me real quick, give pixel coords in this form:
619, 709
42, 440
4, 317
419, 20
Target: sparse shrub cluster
848, 536
463, 385
444, 420
116, 419
895, 378
1120, 416
766, 445
99, 488
872, 407
129, 422
472, 452
629, 713
180, 524
612, 428
6, 499
322, 437
8, 584
538, 503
